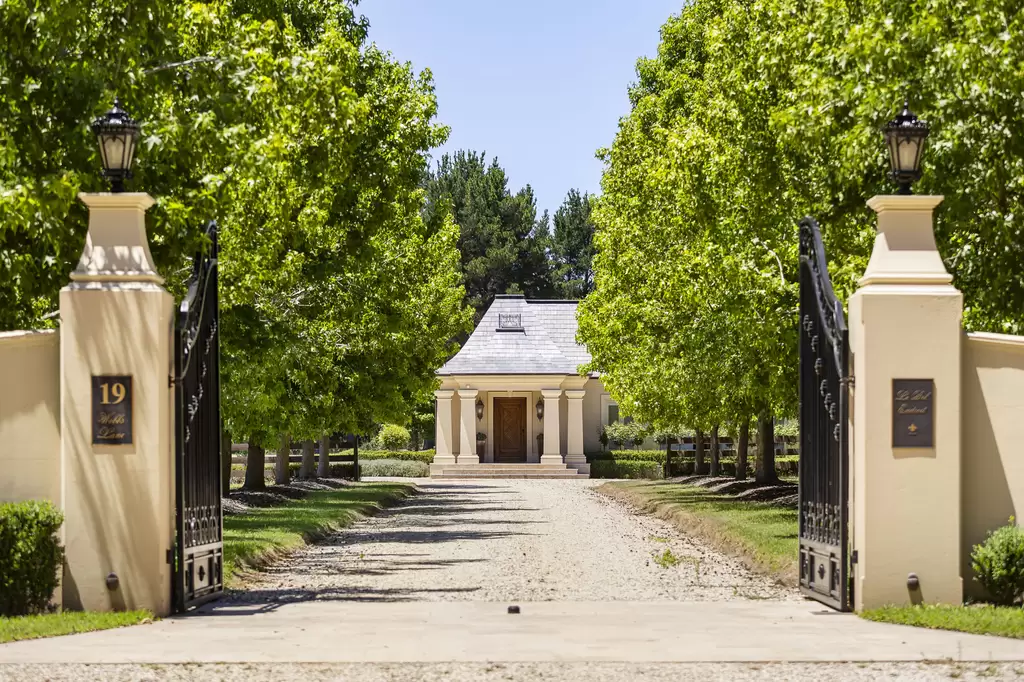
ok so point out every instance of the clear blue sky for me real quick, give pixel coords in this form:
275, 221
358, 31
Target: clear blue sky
541, 84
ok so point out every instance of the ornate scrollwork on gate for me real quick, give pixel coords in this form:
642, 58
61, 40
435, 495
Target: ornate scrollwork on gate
823, 422
198, 560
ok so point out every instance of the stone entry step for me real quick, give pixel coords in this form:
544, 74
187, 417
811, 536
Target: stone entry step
504, 471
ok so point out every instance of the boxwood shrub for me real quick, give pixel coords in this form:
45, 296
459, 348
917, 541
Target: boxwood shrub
30, 556
998, 564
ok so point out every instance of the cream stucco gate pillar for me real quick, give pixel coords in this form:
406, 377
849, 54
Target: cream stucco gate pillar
574, 454
116, 415
905, 324
467, 426
552, 427
444, 452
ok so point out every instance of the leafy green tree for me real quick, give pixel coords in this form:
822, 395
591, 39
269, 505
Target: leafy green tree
502, 242
306, 144
572, 246
754, 114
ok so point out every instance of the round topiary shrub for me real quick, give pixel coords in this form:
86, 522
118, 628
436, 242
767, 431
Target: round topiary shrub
30, 556
393, 437
999, 564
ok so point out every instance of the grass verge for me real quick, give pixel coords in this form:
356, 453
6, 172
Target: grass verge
66, 623
259, 537
979, 619
762, 535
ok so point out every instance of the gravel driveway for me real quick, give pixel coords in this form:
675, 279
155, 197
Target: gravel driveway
512, 540
508, 542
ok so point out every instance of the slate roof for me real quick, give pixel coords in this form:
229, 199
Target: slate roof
544, 344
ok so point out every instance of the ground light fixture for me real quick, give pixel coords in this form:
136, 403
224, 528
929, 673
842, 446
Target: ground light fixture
540, 409
479, 409
117, 134
905, 137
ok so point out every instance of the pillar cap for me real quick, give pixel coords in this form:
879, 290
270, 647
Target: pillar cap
116, 246
445, 394
551, 393
905, 252
575, 395
468, 392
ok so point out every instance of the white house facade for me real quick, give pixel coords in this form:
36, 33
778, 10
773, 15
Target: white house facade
514, 395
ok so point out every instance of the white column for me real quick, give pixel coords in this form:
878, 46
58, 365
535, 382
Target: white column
552, 428
443, 452
467, 426
574, 443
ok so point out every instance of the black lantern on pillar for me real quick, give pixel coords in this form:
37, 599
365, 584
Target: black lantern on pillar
117, 134
540, 409
479, 409
905, 136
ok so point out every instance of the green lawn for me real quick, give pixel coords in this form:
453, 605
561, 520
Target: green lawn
763, 534
256, 538
981, 619
66, 623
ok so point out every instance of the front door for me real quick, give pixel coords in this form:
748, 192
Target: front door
510, 430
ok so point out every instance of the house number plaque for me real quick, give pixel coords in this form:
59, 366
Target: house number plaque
111, 410
913, 413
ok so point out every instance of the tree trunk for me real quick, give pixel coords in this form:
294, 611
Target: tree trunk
741, 450
765, 472
324, 466
282, 471
355, 459
698, 453
308, 460
255, 462
225, 463
716, 453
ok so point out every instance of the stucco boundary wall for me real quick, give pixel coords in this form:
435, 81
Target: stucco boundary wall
30, 416
30, 419
992, 432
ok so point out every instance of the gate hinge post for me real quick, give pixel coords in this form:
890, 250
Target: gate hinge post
853, 557
170, 556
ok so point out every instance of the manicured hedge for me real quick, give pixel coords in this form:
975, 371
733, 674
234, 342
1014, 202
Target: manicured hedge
425, 456
607, 468
394, 467
683, 463
30, 556
628, 456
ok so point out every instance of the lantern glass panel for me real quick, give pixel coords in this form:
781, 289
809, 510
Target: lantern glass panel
893, 141
908, 153
113, 148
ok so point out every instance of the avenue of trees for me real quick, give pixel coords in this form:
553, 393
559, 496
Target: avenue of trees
754, 114
349, 269
308, 146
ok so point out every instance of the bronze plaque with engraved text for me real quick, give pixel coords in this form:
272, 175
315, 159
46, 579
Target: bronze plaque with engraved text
913, 413
111, 410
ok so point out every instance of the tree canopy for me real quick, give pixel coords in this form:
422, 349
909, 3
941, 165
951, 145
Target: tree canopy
305, 143
572, 246
502, 242
755, 114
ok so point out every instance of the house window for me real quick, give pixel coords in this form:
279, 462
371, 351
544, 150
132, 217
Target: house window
613, 414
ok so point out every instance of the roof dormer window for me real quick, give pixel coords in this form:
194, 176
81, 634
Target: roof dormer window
510, 322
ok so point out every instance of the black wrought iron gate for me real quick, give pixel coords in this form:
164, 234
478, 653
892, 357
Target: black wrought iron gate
198, 560
824, 460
